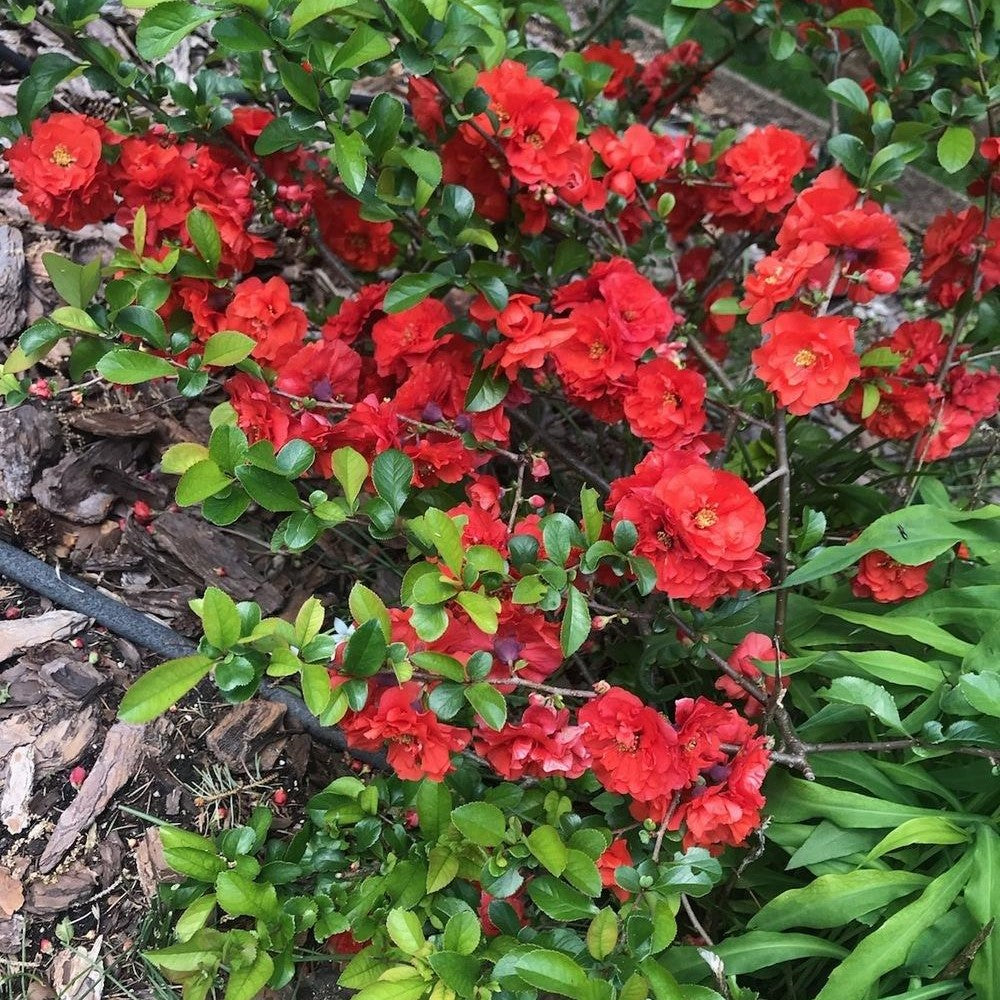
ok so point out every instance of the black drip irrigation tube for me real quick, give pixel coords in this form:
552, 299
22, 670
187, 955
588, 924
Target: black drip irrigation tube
75, 595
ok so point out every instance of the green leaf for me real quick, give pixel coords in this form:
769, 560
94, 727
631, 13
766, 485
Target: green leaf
240, 34
547, 846
405, 930
792, 800
781, 45
392, 473
955, 148
220, 618
205, 236
228, 347
201, 954
846, 91
442, 867
575, 627
124, 367
433, 804
166, 24
366, 605
350, 470
855, 17
929, 830
480, 822
294, 458
483, 610
462, 933
200, 481
242, 897
157, 689
558, 900
551, 972
309, 621
836, 900
982, 899
849, 151
581, 873
47, 71
316, 690
350, 154
746, 953
299, 83
602, 934
982, 692
458, 972
486, 390
894, 668
908, 626
366, 650
872, 697
195, 917
307, 11
884, 46
489, 704
911, 536
247, 981
364, 45
271, 491
410, 290
77, 284
887, 947
446, 536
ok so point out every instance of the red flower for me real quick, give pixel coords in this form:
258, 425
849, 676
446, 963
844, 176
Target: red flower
427, 106
807, 360
666, 407
264, 311
864, 240
666, 73
536, 128
59, 171
591, 362
755, 646
325, 370
419, 745
639, 315
357, 314
529, 336
778, 277
615, 856
542, 744
404, 338
467, 160
699, 526
633, 748
760, 170
364, 245
621, 62
951, 246
638, 156
723, 814
884, 580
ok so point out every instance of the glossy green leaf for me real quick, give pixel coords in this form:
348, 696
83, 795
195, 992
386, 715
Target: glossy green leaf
157, 689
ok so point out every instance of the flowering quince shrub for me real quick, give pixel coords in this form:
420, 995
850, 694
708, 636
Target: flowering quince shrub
677, 444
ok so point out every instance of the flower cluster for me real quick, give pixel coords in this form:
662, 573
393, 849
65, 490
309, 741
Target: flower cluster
928, 393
